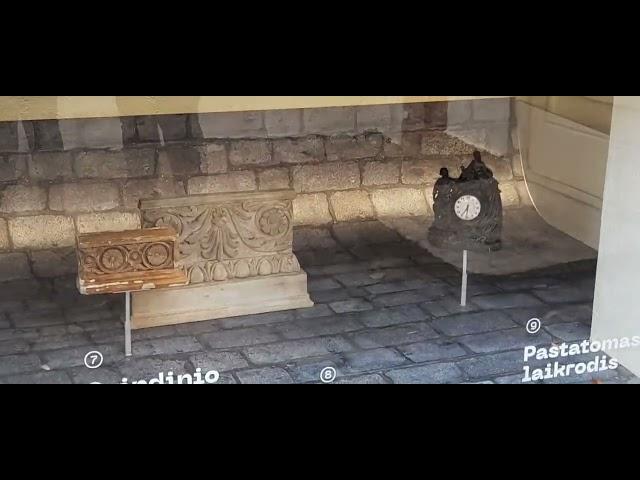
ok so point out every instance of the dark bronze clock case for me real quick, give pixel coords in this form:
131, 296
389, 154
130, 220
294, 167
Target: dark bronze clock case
484, 233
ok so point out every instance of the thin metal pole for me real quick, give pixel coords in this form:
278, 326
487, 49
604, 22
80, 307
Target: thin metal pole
127, 326
463, 296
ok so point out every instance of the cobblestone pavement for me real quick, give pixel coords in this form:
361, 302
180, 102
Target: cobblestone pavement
386, 312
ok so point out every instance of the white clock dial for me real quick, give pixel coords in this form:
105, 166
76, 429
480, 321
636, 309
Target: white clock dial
468, 207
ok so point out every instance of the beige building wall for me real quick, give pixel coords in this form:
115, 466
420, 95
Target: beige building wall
61, 107
564, 142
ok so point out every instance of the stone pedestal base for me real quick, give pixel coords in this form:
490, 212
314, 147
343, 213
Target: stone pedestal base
211, 301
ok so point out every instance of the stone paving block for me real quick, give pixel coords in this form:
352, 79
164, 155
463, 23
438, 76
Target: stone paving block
395, 335
11, 306
522, 315
354, 305
398, 286
569, 313
427, 374
30, 319
359, 279
515, 339
432, 351
198, 328
165, 346
308, 371
372, 379
261, 319
266, 376
327, 262
292, 350
13, 347
470, 323
565, 295
321, 284
392, 316
389, 262
506, 300
433, 292
373, 360
74, 357
40, 378
102, 375
58, 342
447, 306
4, 322
315, 327
314, 312
14, 364
500, 364
330, 296
570, 332
220, 361
312, 238
364, 233
516, 284
239, 337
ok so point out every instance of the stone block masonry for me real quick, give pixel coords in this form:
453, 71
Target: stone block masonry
346, 165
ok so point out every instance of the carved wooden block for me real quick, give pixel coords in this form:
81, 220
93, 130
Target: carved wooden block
229, 236
117, 262
237, 250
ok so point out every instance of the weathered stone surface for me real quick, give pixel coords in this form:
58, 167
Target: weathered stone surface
14, 364
395, 335
21, 198
365, 233
4, 235
54, 263
14, 266
84, 197
432, 351
13, 167
399, 202
312, 238
12, 139
220, 361
500, 166
325, 177
353, 305
214, 158
239, 337
567, 294
374, 118
308, 149
351, 206
514, 339
274, 179
381, 173
459, 112
230, 124
570, 332
420, 172
329, 121
161, 128
251, 153
498, 139
226, 182
436, 115
283, 123
498, 109
373, 360
509, 195
427, 374
179, 160
149, 189
292, 350
128, 163
346, 147
493, 365
42, 231
470, 323
392, 316
319, 325
516, 166
506, 300
266, 376
311, 209
108, 222
50, 166
412, 116
403, 144
439, 143
91, 133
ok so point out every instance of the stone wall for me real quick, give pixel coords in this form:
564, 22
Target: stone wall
61, 178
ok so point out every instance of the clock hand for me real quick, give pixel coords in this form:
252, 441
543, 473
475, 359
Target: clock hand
467, 210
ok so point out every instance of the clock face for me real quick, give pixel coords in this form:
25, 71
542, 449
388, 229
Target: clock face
468, 207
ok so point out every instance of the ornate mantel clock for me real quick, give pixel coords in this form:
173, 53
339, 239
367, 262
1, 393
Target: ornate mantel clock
468, 209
